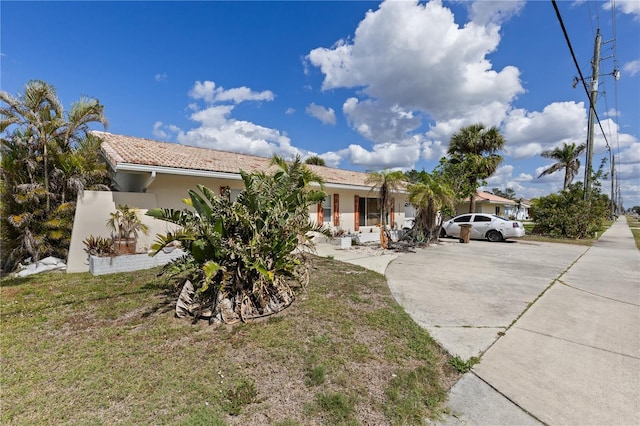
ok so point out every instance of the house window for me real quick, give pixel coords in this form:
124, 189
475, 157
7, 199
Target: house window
327, 217
497, 210
370, 211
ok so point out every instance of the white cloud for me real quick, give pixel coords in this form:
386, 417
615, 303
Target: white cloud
331, 159
325, 115
416, 56
529, 133
524, 177
383, 156
158, 132
434, 150
290, 111
629, 156
412, 61
630, 193
379, 123
161, 77
496, 12
217, 129
208, 92
612, 113
503, 178
633, 67
631, 7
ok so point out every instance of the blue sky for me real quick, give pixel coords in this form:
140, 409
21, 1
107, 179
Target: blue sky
365, 85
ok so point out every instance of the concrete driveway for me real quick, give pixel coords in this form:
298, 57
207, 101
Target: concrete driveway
557, 327
466, 295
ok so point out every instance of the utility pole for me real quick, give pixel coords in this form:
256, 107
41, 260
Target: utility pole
613, 194
595, 69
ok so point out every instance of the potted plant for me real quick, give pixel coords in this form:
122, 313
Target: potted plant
126, 225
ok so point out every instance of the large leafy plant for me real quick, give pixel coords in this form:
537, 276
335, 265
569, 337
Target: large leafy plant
243, 258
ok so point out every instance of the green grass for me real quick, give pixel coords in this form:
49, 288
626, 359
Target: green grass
463, 366
530, 236
79, 349
634, 224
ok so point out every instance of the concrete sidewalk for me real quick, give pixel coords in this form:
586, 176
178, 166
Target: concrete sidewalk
574, 356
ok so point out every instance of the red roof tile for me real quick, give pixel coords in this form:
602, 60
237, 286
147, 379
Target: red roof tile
120, 149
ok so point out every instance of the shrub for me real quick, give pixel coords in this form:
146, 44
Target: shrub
567, 215
99, 246
242, 256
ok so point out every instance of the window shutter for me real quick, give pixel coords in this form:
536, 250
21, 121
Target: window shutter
356, 209
320, 215
336, 210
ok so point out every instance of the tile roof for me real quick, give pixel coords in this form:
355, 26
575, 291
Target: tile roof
486, 196
120, 149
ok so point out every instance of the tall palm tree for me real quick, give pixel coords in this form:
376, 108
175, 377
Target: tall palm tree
566, 157
386, 183
429, 196
39, 112
47, 157
476, 147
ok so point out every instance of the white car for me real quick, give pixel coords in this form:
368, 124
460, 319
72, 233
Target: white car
483, 225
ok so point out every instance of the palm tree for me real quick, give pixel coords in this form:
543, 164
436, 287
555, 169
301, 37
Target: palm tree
39, 112
315, 160
567, 159
386, 183
48, 157
476, 147
430, 196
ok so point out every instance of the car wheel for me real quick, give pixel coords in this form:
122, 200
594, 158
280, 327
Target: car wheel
494, 236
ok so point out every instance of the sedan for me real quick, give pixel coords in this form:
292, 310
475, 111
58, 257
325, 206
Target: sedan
483, 225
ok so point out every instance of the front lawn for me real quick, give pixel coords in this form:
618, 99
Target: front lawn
79, 349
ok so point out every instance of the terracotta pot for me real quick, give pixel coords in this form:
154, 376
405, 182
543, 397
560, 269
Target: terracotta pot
125, 246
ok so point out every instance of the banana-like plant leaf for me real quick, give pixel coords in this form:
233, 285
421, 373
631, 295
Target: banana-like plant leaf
200, 205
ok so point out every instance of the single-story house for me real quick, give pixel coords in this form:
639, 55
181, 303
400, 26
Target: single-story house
152, 174
493, 204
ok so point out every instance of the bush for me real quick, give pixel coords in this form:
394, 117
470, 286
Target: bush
242, 256
99, 246
567, 215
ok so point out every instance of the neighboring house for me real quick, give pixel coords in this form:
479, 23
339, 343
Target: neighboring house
153, 174
493, 204
519, 210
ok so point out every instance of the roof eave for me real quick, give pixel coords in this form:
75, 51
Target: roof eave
143, 168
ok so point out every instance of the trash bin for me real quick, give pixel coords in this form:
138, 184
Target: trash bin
465, 233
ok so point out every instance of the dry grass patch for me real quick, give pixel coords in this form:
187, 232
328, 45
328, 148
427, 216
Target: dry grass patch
79, 349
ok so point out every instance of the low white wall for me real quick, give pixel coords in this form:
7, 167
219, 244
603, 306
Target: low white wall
130, 262
92, 212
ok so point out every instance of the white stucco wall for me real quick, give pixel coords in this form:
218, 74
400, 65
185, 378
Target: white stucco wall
92, 213
168, 191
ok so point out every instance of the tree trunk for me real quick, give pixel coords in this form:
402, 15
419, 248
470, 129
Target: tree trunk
472, 203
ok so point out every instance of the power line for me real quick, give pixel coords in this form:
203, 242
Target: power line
582, 79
